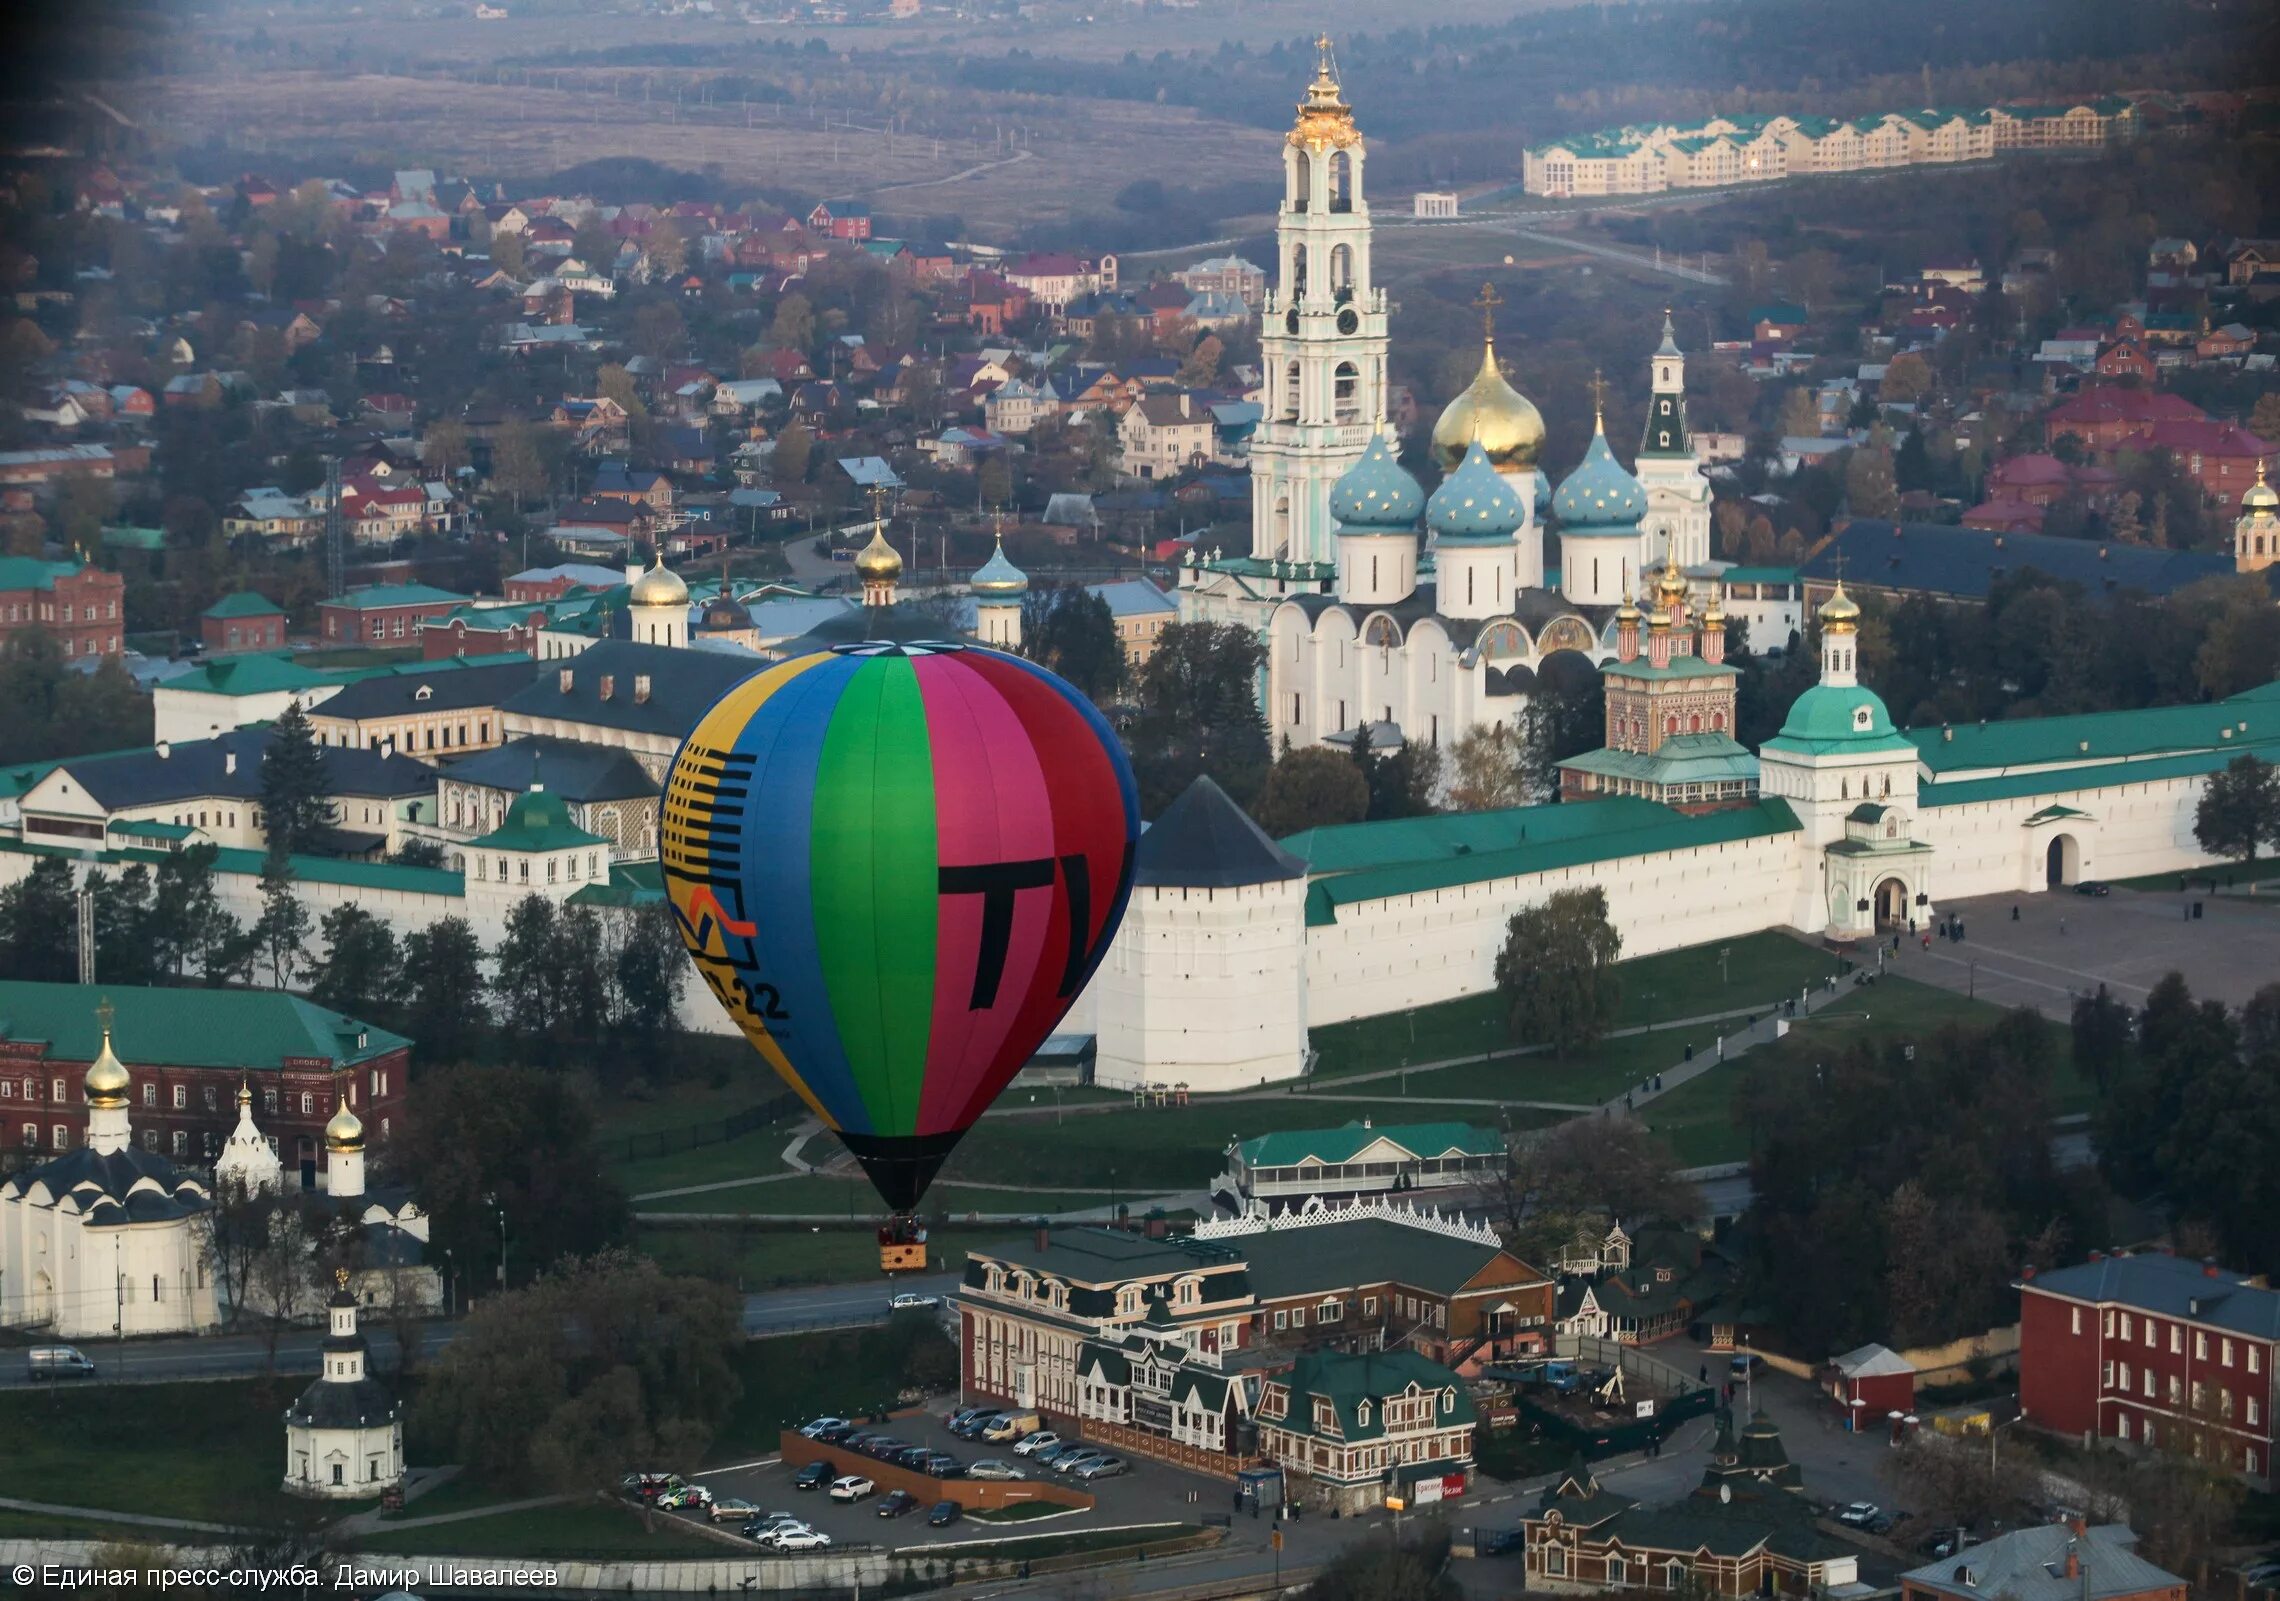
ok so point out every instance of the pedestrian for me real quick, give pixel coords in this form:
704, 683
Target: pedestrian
1658, 1081
1705, 1373
2062, 928
1927, 939
1721, 1047
1626, 1100
2014, 912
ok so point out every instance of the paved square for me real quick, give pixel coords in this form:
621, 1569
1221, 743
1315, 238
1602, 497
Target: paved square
2065, 944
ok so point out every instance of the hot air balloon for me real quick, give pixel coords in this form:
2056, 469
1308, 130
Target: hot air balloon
895, 865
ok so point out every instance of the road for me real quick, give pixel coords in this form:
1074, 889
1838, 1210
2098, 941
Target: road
232, 1356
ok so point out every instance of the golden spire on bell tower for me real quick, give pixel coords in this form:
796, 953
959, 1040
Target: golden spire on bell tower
1324, 118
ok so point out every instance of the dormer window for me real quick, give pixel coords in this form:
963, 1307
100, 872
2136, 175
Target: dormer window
1362, 1414
424, 692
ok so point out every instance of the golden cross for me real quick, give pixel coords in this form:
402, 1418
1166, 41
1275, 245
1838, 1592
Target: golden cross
340, 1277
104, 1013
878, 494
1599, 398
1840, 559
1322, 46
1488, 301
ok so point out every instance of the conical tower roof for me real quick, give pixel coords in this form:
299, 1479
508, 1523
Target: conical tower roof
1205, 841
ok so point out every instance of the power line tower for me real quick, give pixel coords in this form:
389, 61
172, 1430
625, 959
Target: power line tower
336, 554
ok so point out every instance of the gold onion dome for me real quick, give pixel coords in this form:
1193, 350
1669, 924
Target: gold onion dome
344, 1131
659, 587
1628, 612
1841, 614
2259, 496
106, 1081
1504, 422
1324, 118
1714, 609
878, 562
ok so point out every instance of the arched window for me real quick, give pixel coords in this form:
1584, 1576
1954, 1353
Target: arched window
1670, 723
1341, 181
1694, 723
1291, 388
1718, 722
1302, 180
1346, 393
1297, 274
1342, 272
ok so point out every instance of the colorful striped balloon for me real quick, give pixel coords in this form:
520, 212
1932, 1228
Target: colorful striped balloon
896, 865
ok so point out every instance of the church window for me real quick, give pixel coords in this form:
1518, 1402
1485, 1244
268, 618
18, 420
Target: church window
181, 1096
150, 1095
1718, 722
308, 1103
1694, 723
1888, 786
1341, 181
1844, 789
525, 866
1670, 723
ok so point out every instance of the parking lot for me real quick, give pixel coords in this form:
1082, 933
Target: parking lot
1146, 1492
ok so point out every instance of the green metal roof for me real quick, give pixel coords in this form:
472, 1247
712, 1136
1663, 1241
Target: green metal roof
1758, 575
537, 821
1683, 759
29, 572
2074, 780
2229, 725
1331, 1145
126, 536
377, 595
1829, 718
1319, 1259
152, 830
1614, 828
1358, 1385
244, 603
255, 673
630, 884
252, 1030
1680, 667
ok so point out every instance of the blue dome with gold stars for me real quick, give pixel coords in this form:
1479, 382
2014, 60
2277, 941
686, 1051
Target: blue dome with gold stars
1474, 505
1376, 492
1599, 497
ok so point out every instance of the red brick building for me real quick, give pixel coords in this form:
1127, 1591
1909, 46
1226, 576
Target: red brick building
2221, 458
243, 621
186, 1051
2153, 1350
83, 607
2102, 418
383, 613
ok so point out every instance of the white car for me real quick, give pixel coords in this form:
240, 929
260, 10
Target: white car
1042, 1440
853, 1487
911, 1300
820, 1425
991, 1468
802, 1539
1858, 1514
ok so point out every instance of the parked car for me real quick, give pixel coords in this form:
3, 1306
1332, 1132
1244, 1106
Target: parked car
2091, 886
911, 1300
1010, 1426
1882, 1523
941, 1465
1036, 1444
972, 1425
885, 1447
812, 1477
802, 1539
1099, 1467
730, 1508
1858, 1514
648, 1486
815, 1430
45, 1362
852, 1487
1077, 1459
768, 1523
685, 1497
1743, 1366
944, 1513
991, 1467
896, 1502
1061, 1453
951, 1420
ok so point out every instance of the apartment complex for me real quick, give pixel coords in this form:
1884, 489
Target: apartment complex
1651, 158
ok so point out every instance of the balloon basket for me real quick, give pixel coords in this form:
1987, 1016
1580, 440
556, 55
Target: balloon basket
902, 1258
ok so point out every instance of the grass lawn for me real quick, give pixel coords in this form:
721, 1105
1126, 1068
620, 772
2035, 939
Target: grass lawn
2231, 873
1019, 1512
213, 1452
42, 1526
568, 1531
795, 1377
1132, 1152
681, 1105
1684, 983
1697, 1118
746, 1156
462, 1492
774, 1258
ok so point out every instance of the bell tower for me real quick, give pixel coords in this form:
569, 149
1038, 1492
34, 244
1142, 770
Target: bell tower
1322, 339
1678, 495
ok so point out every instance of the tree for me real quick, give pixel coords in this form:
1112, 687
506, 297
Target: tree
122, 936
1493, 766
282, 930
518, 467
2218, 1159
1071, 631
2239, 810
1557, 970
444, 449
1196, 715
2101, 1037
2241, 649
605, 1365
524, 981
35, 913
294, 812
1415, 1569
651, 967
1800, 414
443, 988
362, 968
1405, 784
1312, 787
794, 447
1579, 1174
993, 481
187, 925
1201, 369
793, 326
2264, 420
1907, 379
1869, 485
614, 384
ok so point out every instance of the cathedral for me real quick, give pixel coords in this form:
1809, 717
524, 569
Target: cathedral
1421, 617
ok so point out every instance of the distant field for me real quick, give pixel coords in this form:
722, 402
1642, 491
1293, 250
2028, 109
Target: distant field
538, 128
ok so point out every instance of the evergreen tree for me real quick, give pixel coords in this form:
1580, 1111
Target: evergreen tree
294, 812
361, 968
122, 934
443, 986
1311, 788
524, 982
187, 924
37, 915
283, 928
652, 969
1071, 631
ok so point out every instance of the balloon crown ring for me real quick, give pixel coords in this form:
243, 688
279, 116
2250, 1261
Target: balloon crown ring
892, 647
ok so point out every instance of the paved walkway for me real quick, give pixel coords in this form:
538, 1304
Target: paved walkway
138, 1520
1724, 1048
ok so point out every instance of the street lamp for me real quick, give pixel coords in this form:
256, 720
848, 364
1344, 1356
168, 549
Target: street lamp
1998, 1429
450, 1279
492, 1200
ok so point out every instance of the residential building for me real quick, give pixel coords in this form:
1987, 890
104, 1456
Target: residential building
1962, 564
241, 621
1141, 612
2155, 1351
1162, 436
2069, 1561
383, 613
1226, 275
1871, 1384
1352, 1429
1282, 1172
1636, 1288
82, 608
1054, 278
435, 715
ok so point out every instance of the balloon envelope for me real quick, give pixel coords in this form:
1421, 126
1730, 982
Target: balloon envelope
896, 865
